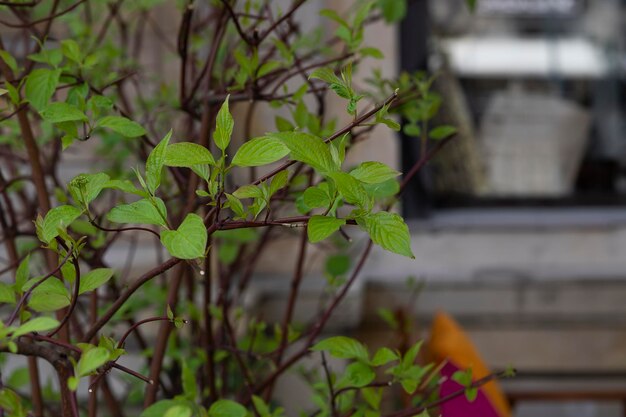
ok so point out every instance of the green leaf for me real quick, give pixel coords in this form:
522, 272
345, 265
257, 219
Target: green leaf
84, 188
50, 295
393, 10
187, 154
283, 125
227, 408
471, 4
384, 189
188, 378
320, 227
235, 205
260, 151
7, 295
22, 273
279, 181
412, 130
326, 74
140, 212
179, 410
383, 356
91, 360
411, 355
409, 385
373, 397
308, 149
357, 374
471, 394
261, 406
343, 347
159, 408
373, 52
442, 132
58, 218
155, 163
188, 241
62, 112
71, 50
224, 126
124, 186
337, 265
9, 60
351, 189
372, 172
122, 125
248, 191
315, 197
94, 279
39, 324
389, 231
19, 378
40, 86
201, 170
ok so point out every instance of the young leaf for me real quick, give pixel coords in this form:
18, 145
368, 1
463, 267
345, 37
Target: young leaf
279, 181
71, 50
343, 347
62, 112
326, 74
337, 265
248, 191
84, 188
372, 172
40, 86
320, 227
383, 356
155, 163
412, 130
125, 186
224, 126
94, 279
308, 149
179, 410
235, 205
39, 324
7, 295
261, 406
50, 295
22, 273
315, 197
442, 132
9, 60
187, 154
91, 360
188, 241
260, 151
122, 125
358, 374
389, 231
227, 408
393, 10
351, 189
140, 212
188, 377
58, 217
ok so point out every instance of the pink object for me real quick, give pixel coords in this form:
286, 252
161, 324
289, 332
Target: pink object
460, 406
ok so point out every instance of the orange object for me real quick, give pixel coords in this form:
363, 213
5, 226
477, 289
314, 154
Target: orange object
449, 342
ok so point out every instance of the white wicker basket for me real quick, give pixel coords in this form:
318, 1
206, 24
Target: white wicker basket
533, 144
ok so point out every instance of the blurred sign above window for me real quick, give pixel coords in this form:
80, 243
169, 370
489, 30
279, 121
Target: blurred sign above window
530, 8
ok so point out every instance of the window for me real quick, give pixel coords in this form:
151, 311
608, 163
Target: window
536, 88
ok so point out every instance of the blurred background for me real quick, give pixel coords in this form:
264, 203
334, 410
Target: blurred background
520, 227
